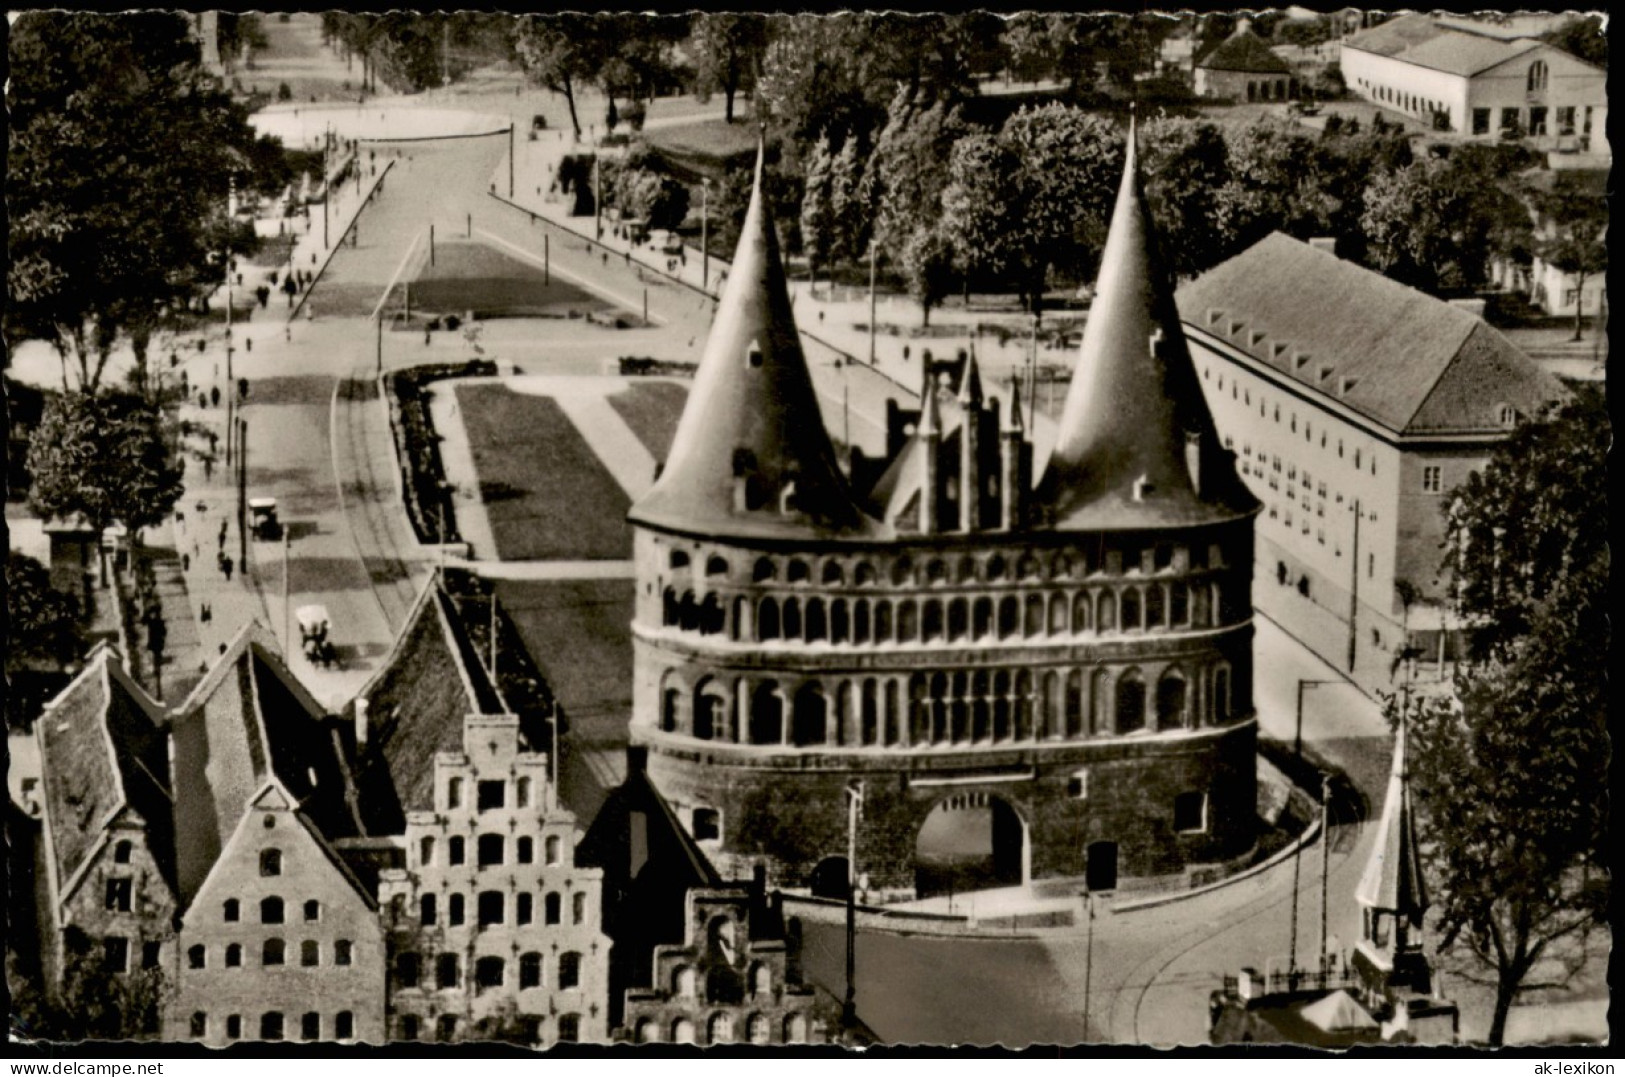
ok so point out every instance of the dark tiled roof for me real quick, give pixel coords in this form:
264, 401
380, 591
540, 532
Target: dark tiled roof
1135, 405
247, 722
1422, 40
753, 414
1244, 51
416, 704
1400, 357
103, 752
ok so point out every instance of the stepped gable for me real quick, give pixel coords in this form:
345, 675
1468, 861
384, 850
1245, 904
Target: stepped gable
751, 457
103, 759
1136, 445
248, 722
417, 701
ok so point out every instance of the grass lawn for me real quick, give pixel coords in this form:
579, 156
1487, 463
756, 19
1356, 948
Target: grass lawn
547, 494
472, 276
578, 632
651, 409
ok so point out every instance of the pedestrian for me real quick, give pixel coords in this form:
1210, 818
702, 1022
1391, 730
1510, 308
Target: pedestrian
202, 508
222, 536
425, 336
186, 562
226, 566
202, 400
207, 615
214, 395
242, 388
222, 648
310, 313
180, 519
208, 468
287, 333
248, 343
186, 384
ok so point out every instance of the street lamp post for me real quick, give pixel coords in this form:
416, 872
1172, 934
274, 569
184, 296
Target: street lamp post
854, 805
1325, 856
1088, 956
705, 235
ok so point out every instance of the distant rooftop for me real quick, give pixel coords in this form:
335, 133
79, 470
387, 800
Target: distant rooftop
1454, 45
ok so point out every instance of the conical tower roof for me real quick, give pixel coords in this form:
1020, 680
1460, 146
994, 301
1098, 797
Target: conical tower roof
1393, 880
751, 457
1135, 421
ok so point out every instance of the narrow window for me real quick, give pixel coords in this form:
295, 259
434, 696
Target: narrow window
200, 1025
271, 1026
426, 851
578, 907
426, 910
454, 793
551, 905
342, 950
454, 910
408, 969
569, 1028
270, 862
454, 851
310, 1026
525, 850
234, 956
446, 971
521, 793
569, 971
118, 894
230, 911
551, 849
234, 1027
523, 907
344, 1025
310, 953
313, 910
530, 970
197, 957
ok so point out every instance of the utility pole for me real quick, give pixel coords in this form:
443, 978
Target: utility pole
1354, 589
1292, 949
872, 247
547, 260
431, 245
1088, 956
242, 494
493, 634
511, 144
1326, 857
597, 199
379, 324
705, 235
854, 806
287, 565
1032, 380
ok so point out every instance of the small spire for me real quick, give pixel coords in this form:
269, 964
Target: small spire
930, 412
1393, 880
1012, 425
970, 381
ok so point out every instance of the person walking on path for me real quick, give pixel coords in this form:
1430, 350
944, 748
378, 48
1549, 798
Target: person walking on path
226, 566
222, 537
214, 396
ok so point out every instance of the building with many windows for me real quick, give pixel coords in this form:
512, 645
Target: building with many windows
1353, 416
279, 936
106, 885
1076, 651
1452, 76
493, 930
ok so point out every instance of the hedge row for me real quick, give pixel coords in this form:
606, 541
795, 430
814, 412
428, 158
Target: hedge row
423, 476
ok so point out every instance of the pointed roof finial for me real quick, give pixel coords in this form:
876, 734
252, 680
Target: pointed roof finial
970, 380
752, 414
1132, 403
1012, 425
1393, 879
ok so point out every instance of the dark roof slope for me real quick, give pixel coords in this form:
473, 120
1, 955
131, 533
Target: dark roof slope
1135, 412
752, 418
416, 703
1244, 51
1423, 40
103, 752
1398, 356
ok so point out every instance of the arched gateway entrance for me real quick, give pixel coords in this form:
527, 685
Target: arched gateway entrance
970, 841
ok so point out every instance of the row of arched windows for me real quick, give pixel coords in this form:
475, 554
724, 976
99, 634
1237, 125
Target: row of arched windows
720, 1028
490, 850
1152, 606
491, 908
685, 981
273, 910
490, 971
963, 707
906, 571
273, 1026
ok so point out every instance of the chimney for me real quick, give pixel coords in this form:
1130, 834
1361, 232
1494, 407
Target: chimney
1324, 243
361, 729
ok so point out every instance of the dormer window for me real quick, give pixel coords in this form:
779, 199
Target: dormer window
1301, 360
753, 358
1507, 415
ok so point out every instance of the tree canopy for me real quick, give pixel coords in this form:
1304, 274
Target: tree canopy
121, 155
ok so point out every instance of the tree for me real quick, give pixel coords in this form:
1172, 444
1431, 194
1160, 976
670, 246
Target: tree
1522, 861
1185, 164
1275, 184
727, 51
559, 52
121, 154
44, 638
908, 169
111, 457
1033, 198
818, 207
1582, 37
852, 215
1573, 237
928, 262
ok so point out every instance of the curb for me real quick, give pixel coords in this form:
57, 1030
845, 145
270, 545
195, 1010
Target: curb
348, 225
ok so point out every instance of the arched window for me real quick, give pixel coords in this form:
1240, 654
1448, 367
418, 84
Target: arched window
764, 570
817, 625
1171, 702
1034, 622
1097, 702
678, 559
981, 618
647, 1030
1058, 610
931, 620
808, 723
530, 970
668, 709
1074, 703
795, 1028
670, 611
792, 618
552, 908
901, 570
709, 710
761, 979
860, 621
995, 568
767, 619
1130, 703
229, 910
274, 952
766, 714
883, 621
427, 912
683, 982
1131, 607
569, 970
1155, 610
908, 621
1106, 612
833, 572
798, 572
1221, 694
234, 956
271, 910
864, 574
1537, 76
720, 1029
682, 1030
1178, 603
1009, 616
310, 953
840, 624
958, 618
1081, 608
716, 566
756, 1029
197, 957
